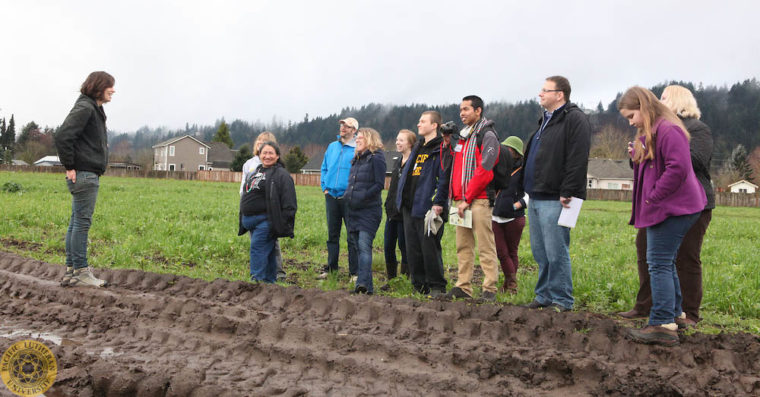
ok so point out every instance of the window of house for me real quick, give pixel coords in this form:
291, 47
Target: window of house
171, 167
201, 150
611, 185
742, 190
171, 150
200, 167
590, 183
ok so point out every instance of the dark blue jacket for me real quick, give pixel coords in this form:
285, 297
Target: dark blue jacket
363, 194
433, 184
503, 206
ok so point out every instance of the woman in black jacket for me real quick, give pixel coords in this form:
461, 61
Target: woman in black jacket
394, 224
268, 208
365, 185
508, 218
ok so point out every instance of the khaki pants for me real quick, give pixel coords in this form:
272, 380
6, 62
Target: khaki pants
481, 227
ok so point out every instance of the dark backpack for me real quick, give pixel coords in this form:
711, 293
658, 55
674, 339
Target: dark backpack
502, 171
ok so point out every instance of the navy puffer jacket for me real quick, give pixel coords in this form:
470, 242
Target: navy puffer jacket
365, 185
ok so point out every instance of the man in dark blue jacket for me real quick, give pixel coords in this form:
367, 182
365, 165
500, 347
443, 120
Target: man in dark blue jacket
424, 186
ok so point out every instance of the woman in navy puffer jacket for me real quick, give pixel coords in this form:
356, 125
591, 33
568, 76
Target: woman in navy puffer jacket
365, 185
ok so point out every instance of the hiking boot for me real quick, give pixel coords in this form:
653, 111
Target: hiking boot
323, 275
360, 289
385, 288
67, 276
559, 308
84, 276
664, 334
436, 294
633, 314
535, 305
488, 296
458, 293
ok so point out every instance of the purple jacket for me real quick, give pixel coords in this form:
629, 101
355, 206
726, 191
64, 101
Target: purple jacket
666, 186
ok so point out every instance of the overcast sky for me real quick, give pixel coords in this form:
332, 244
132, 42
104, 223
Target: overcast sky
197, 61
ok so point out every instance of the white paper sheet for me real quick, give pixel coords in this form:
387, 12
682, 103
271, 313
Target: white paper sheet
569, 216
455, 220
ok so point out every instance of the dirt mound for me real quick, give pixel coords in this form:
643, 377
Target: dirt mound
165, 335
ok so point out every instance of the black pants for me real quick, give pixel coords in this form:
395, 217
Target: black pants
424, 255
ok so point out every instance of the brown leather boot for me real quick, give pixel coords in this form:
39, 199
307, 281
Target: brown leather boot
633, 314
664, 335
510, 281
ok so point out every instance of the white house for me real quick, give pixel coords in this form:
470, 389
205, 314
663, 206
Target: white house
48, 161
742, 187
609, 174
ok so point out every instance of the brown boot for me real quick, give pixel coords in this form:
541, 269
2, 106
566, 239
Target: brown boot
510, 281
664, 335
633, 314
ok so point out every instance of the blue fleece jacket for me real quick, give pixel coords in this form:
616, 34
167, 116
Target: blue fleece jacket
336, 166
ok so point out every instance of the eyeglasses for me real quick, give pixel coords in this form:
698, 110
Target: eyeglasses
545, 90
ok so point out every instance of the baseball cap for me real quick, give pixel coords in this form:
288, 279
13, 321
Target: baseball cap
351, 122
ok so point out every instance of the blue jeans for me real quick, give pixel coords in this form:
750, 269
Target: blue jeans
394, 231
550, 244
337, 214
364, 243
263, 260
663, 240
84, 193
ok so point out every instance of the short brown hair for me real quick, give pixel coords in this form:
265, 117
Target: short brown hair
435, 117
96, 83
411, 137
562, 84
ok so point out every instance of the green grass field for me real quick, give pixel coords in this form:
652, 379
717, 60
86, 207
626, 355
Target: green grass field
190, 228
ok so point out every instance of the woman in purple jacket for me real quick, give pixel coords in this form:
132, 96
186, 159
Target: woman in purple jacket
667, 200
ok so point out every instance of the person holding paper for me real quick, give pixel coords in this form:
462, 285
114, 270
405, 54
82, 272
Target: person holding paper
667, 200
423, 188
556, 162
476, 153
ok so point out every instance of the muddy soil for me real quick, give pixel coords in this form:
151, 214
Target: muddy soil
163, 335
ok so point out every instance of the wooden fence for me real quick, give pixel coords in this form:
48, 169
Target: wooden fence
721, 198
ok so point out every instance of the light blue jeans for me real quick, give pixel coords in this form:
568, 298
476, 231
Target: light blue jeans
84, 194
263, 260
550, 244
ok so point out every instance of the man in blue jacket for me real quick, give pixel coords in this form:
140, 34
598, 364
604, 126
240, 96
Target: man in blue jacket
424, 186
334, 180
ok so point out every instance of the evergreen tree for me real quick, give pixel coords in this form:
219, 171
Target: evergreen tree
223, 135
740, 163
28, 132
243, 154
295, 159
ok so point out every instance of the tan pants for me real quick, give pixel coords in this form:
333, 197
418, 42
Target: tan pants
481, 227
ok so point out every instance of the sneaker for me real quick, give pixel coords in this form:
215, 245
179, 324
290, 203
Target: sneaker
67, 276
535, 305
664, 335
559, 308
458, 293
436, 294
360, 289
385, 288
488, 296
633, 314
84, 276
684, 322
323, 275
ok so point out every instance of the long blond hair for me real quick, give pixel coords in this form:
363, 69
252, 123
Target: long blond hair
643, 100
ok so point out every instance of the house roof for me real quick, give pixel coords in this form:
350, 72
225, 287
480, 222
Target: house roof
175, 139
220, 152
609, 169
315, 162
19, 162
743, 181
48, 159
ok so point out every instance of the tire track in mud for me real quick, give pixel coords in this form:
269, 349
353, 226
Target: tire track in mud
165, 335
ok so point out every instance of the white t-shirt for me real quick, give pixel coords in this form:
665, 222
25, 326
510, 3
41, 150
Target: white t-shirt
249, 167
